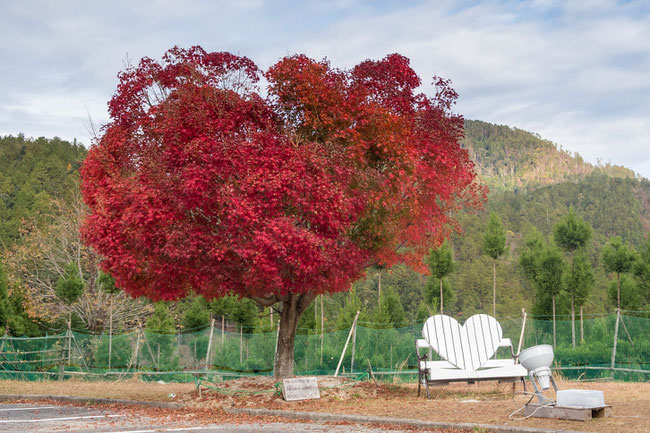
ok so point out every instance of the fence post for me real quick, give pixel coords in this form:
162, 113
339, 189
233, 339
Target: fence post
223, 330
275, 353
582, 329
322, 330
618, 315
521, 336
209, 352
241, 340
2, 346
62, 362
81, 355
354, 346
69, 335
110, 333
137, 347
354, 324
629, 337
153, 358
554, 335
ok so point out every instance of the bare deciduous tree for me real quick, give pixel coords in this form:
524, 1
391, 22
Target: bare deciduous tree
40, 260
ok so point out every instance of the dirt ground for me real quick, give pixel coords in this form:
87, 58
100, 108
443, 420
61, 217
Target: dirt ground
484, 403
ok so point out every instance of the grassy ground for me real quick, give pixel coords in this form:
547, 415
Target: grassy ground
485, 403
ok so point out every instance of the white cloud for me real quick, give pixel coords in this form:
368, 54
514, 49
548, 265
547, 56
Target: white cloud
575, 72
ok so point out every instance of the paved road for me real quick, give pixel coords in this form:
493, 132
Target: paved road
40, 418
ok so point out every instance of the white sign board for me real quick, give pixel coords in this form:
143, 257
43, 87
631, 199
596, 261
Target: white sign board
300, 388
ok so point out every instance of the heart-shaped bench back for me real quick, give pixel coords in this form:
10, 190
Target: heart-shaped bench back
469, 346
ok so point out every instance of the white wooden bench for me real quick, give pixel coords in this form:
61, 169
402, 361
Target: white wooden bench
466, 352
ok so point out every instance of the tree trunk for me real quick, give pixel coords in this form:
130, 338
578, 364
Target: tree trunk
441, 309
618, 317
573, 322
379, 289
292, 308
554, 336
223, 330
110, 333
618, 291
69, 335
582, 329
322, 324
494, 288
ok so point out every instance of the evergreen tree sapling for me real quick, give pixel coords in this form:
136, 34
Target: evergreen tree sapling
631, 296
494, 245
544, 266
159, 334
618, 257
432, 294
641, 271
197, 315
69, 287
106, 283
393, 305
441, 264
579, 282
6, 310
572, 233
346, 314
12, 314
550, 278
534, 244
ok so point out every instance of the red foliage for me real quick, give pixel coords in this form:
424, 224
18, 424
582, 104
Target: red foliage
201, 184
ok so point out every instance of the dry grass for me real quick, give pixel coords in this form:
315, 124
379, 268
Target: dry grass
131, 389
485, 403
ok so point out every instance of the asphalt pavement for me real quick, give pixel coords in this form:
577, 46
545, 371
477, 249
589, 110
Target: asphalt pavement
43, 418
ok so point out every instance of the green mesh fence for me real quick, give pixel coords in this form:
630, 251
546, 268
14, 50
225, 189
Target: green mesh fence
222, 354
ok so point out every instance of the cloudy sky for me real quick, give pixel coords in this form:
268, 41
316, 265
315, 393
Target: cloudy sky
575, 72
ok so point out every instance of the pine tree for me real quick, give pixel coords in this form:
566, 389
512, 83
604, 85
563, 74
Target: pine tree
196, 316
5, 304
160, 335
631, 297
529, 258
393, 305
618, 257
106, 283
544, 266
572, 233
494, 245
441, 263
69, 287
579, 281
550, 278
346, 315
432, 294
641, 270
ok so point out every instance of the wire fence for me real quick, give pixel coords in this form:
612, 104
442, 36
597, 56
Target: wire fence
222, 354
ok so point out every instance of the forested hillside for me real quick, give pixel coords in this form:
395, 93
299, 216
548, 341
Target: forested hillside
33, 173
533, 186
513, 159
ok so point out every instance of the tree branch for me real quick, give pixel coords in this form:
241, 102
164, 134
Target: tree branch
265, 301
304, 300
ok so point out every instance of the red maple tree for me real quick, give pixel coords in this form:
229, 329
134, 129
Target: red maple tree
199, 184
